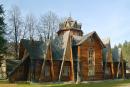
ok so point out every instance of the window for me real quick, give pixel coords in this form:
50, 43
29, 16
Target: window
107, 71
91, 72
66, 71
47, 71
91, 62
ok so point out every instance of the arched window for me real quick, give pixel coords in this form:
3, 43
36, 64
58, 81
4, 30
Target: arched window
91, 62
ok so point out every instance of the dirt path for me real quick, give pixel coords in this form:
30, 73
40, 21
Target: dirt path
7, 85
124, 85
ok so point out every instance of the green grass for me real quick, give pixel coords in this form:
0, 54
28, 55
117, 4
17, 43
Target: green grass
110, 83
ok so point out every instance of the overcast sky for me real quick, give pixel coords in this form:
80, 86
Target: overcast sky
109, 18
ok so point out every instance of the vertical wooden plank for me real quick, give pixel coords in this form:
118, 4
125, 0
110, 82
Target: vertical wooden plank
64, 55
78, 67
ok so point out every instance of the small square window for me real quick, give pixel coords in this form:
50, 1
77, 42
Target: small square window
47, 71
66, 71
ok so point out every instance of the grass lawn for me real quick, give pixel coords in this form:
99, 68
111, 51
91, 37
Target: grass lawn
112, 83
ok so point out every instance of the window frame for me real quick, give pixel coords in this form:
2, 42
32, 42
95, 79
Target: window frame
47, 71
91, 62
66, 71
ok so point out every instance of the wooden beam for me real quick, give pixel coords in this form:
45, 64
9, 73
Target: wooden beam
123, 75
52, 69
71, 60
62, 64
112, 69
26, 54
63, 58
78, 66
44, 61
118, 68
107, 56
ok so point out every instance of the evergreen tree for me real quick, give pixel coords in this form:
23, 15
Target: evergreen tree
2, 31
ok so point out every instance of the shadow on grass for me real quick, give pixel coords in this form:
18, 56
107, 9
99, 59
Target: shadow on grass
108, 83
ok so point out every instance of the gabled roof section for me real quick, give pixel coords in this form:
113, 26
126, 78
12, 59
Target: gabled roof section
116, 54
76, 39
11, 64
91, 34
58, 46
107, 56
57, 50
36, 49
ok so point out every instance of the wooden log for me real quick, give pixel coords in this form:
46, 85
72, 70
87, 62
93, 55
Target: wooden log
71, 60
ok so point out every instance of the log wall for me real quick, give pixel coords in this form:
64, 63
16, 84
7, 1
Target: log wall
84, 60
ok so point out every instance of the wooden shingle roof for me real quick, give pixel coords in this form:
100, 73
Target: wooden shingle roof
58, 46
36, 49
116, 54
85, 37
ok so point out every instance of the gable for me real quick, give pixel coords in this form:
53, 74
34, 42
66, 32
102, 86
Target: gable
90, 37
116, 54
11, 64
107, 56
61, 46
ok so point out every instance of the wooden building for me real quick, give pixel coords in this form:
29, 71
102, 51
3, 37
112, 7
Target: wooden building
69, 57
119, 64
107, 60
31, 56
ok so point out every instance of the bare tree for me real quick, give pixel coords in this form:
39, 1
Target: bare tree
49, 23
30, 24
15, 21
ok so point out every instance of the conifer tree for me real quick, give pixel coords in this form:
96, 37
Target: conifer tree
2, 31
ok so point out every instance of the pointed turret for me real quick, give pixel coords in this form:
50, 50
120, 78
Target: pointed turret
70, 25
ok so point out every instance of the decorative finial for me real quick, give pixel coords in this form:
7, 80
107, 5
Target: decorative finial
69, 18
70, 14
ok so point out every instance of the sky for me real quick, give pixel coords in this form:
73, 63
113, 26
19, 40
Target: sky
109, 18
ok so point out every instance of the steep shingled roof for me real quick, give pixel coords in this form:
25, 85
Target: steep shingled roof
36, 49
11, 65
58, 46
116, 54
85, 37
106, 51
76, 39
